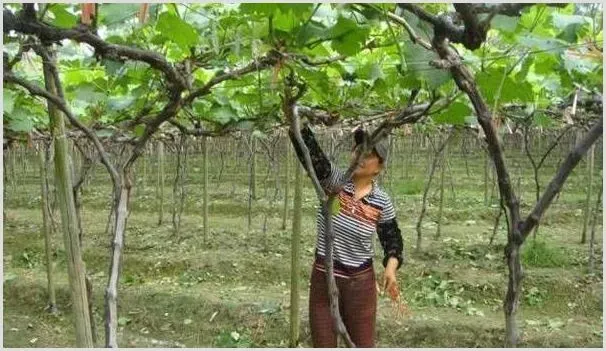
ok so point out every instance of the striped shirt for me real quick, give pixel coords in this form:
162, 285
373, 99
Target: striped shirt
356, 221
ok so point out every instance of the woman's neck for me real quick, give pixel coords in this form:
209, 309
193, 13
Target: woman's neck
362, 186
361, 182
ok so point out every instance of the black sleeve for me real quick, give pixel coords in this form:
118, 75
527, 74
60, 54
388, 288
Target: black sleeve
391, 240
320, 162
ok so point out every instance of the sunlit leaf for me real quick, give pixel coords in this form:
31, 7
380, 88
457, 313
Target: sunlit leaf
139, 130
116, 14
562, 21
336, 207
177, 30
546, 44
62, 17
89, 93
371, 71
545, 63
120, 102
489, 83
263, 9
417, 61
223, 114
8, 100
348, 36
113, 67
504, 23
21, 121
542, 120
456, 113
579, 64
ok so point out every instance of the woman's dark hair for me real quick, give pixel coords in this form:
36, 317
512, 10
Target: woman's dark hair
360, 136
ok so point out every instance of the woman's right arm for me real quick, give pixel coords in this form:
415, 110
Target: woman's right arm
327, 173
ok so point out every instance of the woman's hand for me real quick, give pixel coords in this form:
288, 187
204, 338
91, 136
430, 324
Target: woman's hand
390, 284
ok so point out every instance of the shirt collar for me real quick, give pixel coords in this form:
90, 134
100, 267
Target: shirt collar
375, 186
350, 187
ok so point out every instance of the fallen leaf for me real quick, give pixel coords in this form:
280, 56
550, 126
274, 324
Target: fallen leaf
213, 316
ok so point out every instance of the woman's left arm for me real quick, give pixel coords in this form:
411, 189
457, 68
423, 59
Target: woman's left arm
390, 237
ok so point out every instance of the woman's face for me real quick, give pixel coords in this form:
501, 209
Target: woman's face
370, 165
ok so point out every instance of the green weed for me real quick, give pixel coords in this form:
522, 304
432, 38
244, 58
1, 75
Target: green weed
233, 339
538, 253
534, 296
410, 187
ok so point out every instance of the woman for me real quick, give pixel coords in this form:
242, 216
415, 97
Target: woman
364, 209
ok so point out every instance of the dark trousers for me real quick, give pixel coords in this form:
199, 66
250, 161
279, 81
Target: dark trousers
357, 304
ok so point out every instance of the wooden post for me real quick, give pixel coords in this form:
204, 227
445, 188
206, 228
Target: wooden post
587, 211
286, 186
205, 186
294, 267
160, 183
64, 185
46, 230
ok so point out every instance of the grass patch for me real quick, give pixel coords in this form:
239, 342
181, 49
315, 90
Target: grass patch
410, 187
537, 253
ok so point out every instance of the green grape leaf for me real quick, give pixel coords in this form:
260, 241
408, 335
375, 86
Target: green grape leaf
309, 32
320, 79
89, 93
383, 89
263, 9
348, 36
79, 107
290, 15
542, 120
421, 28
371, 72
456, 113
112, 67
547, 44
490, 80
551, 83
545, 63
177, 30
117, 14
62, 17
284, 21
119, 103
417, 60
336, 207
21, 121
300, 10
139, 130
562, 21
504, 23
9, 100
579, 64
78, 75
223, 114
572, 33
